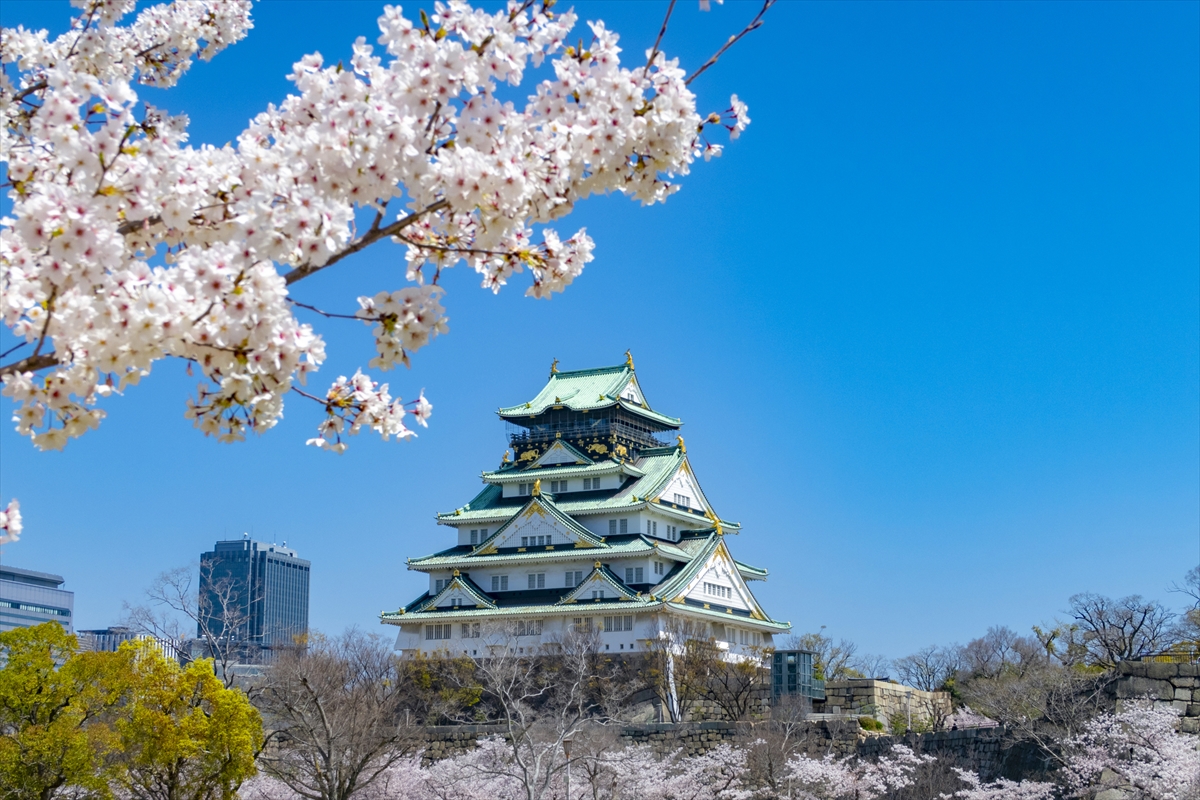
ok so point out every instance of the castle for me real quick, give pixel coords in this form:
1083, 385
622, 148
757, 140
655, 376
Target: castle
595, 523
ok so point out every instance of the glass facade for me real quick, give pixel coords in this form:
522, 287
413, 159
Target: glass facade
258, 591
30, 598
792, 676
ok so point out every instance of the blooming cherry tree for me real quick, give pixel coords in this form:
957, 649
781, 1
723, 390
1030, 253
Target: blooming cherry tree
10, 522
851, 778
128, 244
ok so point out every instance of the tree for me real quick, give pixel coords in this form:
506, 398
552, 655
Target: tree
336, 712
183, 734
1119, 630
54, 704
176, 609
832, 778
681, 660
128, 246
929, 668
834, 661
736, 684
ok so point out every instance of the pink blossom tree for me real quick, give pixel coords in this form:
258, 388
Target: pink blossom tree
853, 778
128, 245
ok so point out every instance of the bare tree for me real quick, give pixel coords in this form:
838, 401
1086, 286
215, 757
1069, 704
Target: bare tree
1120, 630
543, 693
834, 660
1002, 650
929, 668
736, 684
681, 661
220, 617
334, 712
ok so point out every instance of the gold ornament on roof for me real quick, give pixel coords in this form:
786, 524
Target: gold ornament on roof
554, 367
597, 565
505, 460
629, 359
682, 446
455, 573
537, 488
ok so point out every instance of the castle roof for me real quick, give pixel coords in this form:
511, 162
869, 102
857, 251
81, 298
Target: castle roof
591, 390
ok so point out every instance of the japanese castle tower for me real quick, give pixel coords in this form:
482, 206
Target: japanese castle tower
595, 523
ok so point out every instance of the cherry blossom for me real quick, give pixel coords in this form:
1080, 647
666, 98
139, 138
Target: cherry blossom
1138, 752
832, 778
128, 244
1002, 788
10, 522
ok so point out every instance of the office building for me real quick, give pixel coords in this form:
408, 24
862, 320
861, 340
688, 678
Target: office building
30, 598
109, 640
254, 593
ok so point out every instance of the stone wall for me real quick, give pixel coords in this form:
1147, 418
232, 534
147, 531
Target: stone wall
884, 700
1176, 685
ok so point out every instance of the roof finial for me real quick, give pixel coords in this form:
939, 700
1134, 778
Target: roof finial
597, 565
682, 446
554, 367
629, 359
505, 460
537, 488
456, 573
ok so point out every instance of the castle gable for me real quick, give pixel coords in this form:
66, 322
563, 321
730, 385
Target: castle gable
539, 526
599, 585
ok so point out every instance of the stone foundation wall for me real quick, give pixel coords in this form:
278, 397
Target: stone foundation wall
884, 700
1175, 685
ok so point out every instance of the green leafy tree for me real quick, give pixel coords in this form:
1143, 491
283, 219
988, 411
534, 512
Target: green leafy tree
183, 734
56, 707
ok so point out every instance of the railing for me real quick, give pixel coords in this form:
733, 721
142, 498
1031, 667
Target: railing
1183, 655
601, 428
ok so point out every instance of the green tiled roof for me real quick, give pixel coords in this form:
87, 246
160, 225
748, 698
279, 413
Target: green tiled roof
546, 503
516, 474
586, 390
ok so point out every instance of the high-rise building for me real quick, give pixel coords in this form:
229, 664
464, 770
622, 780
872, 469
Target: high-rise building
109, 640
254, 593
596, 523
30, 598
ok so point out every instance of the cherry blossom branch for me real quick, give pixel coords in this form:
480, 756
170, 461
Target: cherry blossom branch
754, 23
661, 33
29, 364
370, 237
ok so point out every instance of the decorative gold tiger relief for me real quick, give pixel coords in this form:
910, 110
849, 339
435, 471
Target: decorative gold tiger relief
598, 449
620, 450
528, 455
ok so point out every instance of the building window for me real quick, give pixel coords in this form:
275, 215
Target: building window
499, 583
682, 500
439, 584
537, 580
559, 486
624, 526
612, 624
659, 568
437, 632
529, 627
591, 483
524, 541
475, 536
583, 624
470, 630
635, 575
716, 590
573, 578
597, 594
524, 489
653, 528
612, 527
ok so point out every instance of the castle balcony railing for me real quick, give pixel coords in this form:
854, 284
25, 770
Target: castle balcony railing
601, 429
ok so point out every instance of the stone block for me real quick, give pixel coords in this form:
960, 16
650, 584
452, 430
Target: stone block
1188, 670
1161, 671
1181, 705
1190, 725
1139, 687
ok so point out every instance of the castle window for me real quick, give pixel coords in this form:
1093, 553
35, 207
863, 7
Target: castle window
597, 594
524, 489
437, 632
683, 500
529, 627
499, 583
635, 575
537, 580
524, 541
716, 590
624, 526
475, 537
439, 584
612, 527
612, 624
653, 528
658, 568
470, 630
558, 486
574, 578
583, 624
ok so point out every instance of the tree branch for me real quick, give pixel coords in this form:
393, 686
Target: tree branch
29, 364
661, 33
754, 23
370, 237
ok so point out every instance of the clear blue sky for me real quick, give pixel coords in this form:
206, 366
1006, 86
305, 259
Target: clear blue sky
932, 324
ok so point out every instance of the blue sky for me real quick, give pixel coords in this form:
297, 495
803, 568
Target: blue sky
932, 324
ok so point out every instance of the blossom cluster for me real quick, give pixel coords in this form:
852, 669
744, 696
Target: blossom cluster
10, 522
851, 777
127, 244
